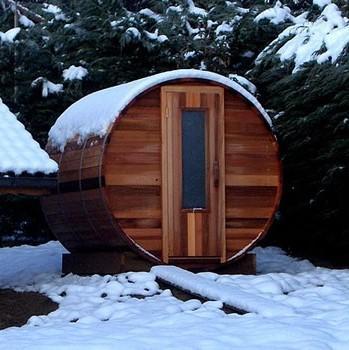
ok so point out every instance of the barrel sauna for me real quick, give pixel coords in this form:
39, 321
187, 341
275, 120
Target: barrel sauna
181, 167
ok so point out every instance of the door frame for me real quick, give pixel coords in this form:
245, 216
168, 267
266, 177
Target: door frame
169, 131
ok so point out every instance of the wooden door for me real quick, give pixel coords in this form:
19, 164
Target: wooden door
193, 199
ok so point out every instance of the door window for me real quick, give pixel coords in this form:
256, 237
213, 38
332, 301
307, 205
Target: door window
193, 159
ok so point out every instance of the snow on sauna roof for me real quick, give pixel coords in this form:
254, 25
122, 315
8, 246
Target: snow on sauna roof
94, 113
19, 152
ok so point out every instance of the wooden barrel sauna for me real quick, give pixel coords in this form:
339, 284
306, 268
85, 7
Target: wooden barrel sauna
181, 167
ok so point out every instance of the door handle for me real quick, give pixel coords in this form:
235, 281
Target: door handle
216, 173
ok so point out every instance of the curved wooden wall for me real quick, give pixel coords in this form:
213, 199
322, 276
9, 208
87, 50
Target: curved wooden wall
133, 172
253, 174
77, 214
109, 192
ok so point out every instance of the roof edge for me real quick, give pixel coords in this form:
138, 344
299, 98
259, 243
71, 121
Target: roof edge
34, 182
80, 118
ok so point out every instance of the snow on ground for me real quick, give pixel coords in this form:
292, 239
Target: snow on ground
208, 287
22, 265
107, 312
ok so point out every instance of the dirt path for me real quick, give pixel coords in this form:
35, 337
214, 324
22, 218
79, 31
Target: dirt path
16, 308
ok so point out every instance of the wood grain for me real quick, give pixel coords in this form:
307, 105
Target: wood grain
188, 233
137, 195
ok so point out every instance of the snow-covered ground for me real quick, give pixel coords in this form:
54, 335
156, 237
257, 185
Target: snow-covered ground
108, 312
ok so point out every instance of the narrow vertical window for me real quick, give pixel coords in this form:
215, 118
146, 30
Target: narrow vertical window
193, 160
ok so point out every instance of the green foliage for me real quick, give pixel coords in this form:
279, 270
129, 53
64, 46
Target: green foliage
96, 34
313, 133
29, 226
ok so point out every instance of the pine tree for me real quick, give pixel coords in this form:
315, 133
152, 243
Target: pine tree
118, 41
313, 133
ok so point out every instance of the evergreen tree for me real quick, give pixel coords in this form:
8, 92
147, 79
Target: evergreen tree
118, 41
313, 132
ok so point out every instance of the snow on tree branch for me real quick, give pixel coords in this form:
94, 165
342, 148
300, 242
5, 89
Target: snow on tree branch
48, 87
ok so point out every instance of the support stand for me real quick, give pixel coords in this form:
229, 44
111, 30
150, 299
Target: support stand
111, 263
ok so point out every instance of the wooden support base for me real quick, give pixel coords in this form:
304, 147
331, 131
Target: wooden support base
110, 263
246, 265
103, 263
91, 263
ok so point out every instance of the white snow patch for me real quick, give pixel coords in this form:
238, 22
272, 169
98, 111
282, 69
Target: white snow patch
321, 3
177, 9
200, 35
48, 87
224, 27
133, 33
94, 114
274, 259
189, 54
278, 115
18, 151
203, 65
27, 264
276, 15
54, 10
190, 29
301, 19
242, 10
101, 312
155, 36
49, 8
211, 23
248, 54
26, 22
116, 23
245, 83
151, 14
208, 288
10, 35
328, 33
335, 42
74, 72
198, 11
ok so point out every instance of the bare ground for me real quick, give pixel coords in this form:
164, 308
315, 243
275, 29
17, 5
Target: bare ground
17, 307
